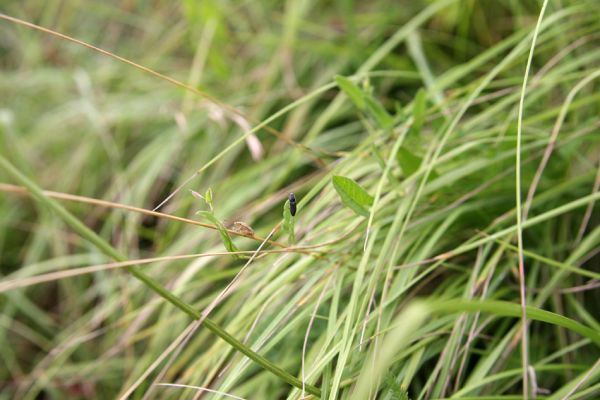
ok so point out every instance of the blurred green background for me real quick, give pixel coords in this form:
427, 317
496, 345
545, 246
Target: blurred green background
441, 172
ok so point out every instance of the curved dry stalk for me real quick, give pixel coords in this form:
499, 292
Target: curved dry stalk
502, 218
16, 283
11, 284
20, 190
562, 54
229, 109
174, 192
6, 187
121, 59
592, 253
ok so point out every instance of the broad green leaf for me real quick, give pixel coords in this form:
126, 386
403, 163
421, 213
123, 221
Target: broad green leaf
408, 162
352, 91
353, 195
419, 105
227, 242
288, 223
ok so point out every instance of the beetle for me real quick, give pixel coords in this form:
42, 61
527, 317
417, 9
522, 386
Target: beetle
292, 200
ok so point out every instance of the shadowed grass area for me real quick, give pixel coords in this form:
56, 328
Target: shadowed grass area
395, 124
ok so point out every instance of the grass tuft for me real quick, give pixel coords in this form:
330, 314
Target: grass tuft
411, 267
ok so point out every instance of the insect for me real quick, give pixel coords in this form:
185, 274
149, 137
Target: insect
292, 199
242, 228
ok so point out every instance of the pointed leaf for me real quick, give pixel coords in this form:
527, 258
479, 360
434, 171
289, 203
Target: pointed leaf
209, 197
352, 195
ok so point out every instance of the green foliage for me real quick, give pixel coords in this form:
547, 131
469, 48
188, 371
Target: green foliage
289, 223
97, 292
419, 107
379, 113
408, 162
365, 102
210, 216
353, 92
227, 242
395, 390
352, 195
208, 196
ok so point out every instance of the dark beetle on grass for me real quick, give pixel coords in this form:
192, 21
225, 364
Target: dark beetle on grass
292, 199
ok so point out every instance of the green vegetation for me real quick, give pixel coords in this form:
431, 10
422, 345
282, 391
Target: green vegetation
445, 156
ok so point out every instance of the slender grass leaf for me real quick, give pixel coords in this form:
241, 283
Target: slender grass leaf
419, 105
406, 325
378, 113
227, 242
365, 102
504, 308
408, 162
353, 92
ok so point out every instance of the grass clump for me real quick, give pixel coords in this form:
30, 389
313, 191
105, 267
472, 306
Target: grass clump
400, 129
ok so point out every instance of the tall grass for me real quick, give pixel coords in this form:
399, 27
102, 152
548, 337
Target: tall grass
472, 130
